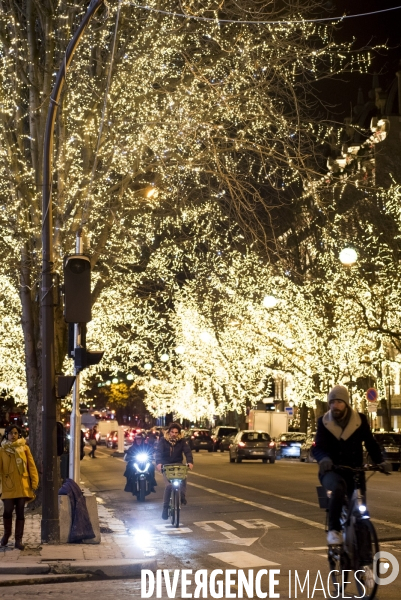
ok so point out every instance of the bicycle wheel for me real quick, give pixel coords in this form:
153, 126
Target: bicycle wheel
172, 506
366, 547
338, 561
177, 507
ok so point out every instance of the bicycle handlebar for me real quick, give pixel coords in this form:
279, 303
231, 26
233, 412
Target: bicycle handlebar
363, 469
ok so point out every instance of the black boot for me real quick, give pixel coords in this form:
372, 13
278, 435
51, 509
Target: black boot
19, 532
165, 513
183, 500
8, 523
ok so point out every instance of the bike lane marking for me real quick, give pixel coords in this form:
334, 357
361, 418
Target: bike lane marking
243, 560
260, 506
252, 489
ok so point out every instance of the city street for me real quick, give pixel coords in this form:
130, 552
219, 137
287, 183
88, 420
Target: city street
251, 515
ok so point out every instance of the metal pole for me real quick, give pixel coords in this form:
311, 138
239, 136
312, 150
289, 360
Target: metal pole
75, 420
50, 524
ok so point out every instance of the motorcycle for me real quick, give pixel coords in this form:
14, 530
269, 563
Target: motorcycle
139, 477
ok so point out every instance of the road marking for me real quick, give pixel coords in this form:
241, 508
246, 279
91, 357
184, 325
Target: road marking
169, 529
206, 527
255, 523
235, 539
317, 548
247, 487
252, 489
243, 560
261, 506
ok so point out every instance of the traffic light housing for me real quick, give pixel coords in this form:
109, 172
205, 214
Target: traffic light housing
86, 358
77, 289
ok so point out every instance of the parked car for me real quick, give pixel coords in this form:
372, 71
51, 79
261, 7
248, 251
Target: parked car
226, 442
112, 438
200, 439
306, 450
252, 445
390, 445
289, 444
220, 432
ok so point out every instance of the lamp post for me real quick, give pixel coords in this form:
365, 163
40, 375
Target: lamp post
50, 524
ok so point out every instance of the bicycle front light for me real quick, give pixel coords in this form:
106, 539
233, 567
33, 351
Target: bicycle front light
142, 457
176, 483
362, 509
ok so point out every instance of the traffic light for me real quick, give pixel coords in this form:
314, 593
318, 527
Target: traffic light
77, 289
85, 358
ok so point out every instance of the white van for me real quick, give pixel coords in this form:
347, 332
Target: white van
105, 427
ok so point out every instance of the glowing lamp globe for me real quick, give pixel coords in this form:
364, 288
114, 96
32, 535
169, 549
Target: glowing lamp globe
270, 301
348, 256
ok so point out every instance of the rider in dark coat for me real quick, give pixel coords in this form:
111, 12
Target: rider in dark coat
138, 447
170, 450
340, 436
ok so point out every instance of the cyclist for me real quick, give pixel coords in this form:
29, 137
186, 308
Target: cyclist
170, 450
339, 438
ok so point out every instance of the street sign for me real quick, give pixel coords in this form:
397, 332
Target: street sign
373, 406
372, 394
289, 410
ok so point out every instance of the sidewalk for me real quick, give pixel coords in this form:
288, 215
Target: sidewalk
116, 556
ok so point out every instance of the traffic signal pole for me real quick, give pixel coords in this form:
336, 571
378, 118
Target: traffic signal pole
75, 419
50, 531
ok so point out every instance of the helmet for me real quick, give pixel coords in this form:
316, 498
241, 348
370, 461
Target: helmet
138, 436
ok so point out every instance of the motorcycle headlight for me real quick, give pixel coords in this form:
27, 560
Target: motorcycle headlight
142, 457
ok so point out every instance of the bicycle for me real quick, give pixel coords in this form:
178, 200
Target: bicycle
175, 474
360, 545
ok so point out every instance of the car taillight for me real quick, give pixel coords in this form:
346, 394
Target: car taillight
313, 443
192, 437
115, 438
242, 444
283, 444
271, 445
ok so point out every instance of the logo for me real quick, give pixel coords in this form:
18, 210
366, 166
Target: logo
381, 564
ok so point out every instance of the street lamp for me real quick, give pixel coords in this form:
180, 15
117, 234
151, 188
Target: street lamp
50, 529
348, 257
270, 301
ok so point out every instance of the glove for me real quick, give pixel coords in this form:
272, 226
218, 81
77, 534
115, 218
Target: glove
325, 465
386, 466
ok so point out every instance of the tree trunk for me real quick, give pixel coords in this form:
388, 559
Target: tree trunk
303, 418
385, 415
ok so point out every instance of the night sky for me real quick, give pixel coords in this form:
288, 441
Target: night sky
369, 30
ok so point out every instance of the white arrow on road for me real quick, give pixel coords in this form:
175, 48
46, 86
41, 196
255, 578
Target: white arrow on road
234, 539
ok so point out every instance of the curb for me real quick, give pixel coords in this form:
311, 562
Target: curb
46, 579
101, 569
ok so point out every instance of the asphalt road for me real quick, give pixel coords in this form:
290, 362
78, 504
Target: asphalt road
251, 515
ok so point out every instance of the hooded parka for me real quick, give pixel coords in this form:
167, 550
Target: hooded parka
18, 471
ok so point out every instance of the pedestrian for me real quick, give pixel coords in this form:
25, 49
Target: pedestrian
20, 480
93, 441
170, 450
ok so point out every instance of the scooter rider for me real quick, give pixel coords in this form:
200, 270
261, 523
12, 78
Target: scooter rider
170, 450
138, 447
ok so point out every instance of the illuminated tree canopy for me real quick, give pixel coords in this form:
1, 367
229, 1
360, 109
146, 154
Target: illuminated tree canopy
177, 141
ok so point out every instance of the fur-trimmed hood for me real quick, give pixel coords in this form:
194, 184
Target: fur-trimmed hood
342, 434
167, 437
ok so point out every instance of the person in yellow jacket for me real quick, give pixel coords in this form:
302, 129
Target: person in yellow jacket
20, 479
